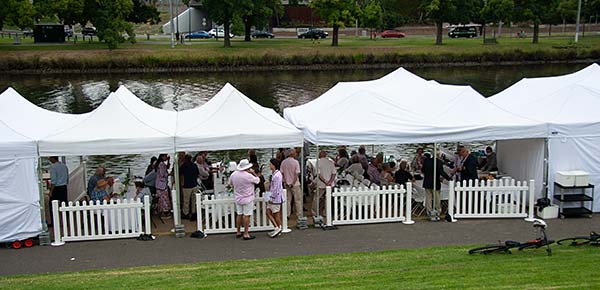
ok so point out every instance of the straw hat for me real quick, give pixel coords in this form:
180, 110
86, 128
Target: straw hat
244, 164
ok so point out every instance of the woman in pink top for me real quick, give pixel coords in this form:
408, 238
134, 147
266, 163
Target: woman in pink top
277, 198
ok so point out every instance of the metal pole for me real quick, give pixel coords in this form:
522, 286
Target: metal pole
190, 20
44, 236
577, 21
435, 175
172, 24
177, 18
179, 228
302, 169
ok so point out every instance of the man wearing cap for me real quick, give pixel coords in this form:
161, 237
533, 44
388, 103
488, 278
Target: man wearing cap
99, 193
243, 181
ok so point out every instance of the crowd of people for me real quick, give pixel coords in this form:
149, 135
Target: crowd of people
196, 173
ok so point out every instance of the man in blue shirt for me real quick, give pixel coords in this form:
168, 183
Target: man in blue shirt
59, 179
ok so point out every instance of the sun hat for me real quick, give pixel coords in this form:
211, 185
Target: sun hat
244, 164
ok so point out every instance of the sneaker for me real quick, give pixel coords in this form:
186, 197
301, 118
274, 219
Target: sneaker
277, 233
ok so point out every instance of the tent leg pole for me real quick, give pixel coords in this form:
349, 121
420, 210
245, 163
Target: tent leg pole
546, 167
302, 169
435, 177
317, 218
44, 235
179, 228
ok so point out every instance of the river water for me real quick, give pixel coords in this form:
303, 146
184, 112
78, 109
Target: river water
80, 93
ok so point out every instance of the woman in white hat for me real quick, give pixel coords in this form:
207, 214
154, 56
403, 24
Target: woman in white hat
243, 181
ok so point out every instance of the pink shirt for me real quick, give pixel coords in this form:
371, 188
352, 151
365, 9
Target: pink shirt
243, 186
290, 168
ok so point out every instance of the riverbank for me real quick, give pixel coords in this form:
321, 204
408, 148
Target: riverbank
289, 54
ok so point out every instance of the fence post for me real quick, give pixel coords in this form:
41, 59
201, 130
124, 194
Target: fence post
408, 212
56, 224
328, 210
284, 214
451, 201
147, 216
530, 216
199, 211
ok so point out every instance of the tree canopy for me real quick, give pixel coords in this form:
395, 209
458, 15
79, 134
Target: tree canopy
336, 13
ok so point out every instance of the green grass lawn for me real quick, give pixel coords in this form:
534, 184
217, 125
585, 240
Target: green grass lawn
431, 268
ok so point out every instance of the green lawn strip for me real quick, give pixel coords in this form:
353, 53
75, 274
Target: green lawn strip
440, 267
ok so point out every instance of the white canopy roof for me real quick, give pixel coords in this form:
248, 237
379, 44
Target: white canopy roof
122, 124
15, 145
231, 120
568, 103
404, 108
30, 120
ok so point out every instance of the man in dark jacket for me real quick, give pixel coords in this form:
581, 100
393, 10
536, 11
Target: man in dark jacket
432, 200
469, 167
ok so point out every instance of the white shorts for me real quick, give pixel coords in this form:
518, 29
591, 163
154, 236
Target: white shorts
275, 208
244, 209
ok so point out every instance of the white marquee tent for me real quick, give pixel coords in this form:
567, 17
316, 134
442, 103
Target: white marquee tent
569, 105
122, 124
230, 120
403, 108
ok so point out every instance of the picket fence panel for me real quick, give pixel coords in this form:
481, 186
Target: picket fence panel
364, 205
504, 198
216, 214
100, 220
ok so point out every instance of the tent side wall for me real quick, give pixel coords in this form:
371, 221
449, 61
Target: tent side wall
19, 199
523, 160
577, 153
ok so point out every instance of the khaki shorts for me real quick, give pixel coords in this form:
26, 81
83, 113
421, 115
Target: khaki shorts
244, 209
275, 208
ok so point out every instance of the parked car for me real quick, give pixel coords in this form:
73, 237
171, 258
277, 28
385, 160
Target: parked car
68, 31
219, 33
197, 35
392, 34
27, 32
463, 31
262, 34
88, 31
313, 33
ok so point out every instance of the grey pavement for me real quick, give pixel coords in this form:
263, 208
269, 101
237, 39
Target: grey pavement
78, 256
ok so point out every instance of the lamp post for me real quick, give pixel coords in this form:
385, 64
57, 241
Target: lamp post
172, 24
577, 21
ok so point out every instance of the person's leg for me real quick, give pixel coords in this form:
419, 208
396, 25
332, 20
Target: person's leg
193, 202
438, 201
185, 209
271, 217
238, 218
288, 203
428, 199
322, 202
278, 218
246, 226
297, 193
315, 210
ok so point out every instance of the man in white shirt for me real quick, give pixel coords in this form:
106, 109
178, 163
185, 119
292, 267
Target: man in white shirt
326, 177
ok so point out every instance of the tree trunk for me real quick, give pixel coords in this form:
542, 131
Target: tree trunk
334, 39
482, 32
439, 32
247, 28
536, 32
226, 40
549, 30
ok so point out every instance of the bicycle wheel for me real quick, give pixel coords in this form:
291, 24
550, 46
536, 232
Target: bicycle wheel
576, 241
535, 245
488, 249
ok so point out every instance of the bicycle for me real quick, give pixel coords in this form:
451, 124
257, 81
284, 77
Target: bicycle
508, 245
593, 239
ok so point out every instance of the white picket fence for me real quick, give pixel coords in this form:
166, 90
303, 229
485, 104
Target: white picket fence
491, 199
366, 205
216, 214
100, 220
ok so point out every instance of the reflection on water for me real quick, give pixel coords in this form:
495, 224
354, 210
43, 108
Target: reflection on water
278, 89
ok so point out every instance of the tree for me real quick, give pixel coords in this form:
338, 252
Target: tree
535, 11
110, 19
143, 13
495, 11
222, 13
452, 11
257, 13
19, 13
372, 15
336, 13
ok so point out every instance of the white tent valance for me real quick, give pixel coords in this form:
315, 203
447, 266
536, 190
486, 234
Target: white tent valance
230, 120
403, 108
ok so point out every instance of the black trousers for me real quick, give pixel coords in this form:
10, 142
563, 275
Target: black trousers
59, 193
